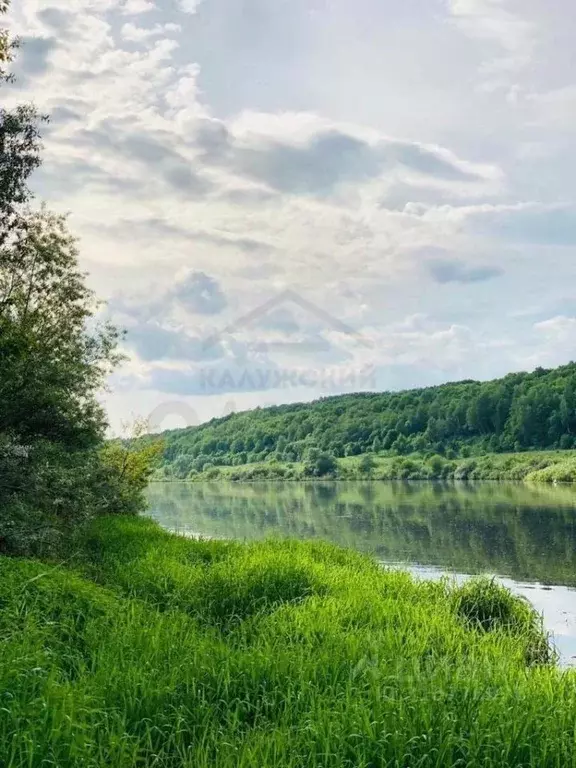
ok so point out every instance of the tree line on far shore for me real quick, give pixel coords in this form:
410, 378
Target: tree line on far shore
520, 412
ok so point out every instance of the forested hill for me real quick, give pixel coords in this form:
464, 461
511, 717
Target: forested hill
521, 411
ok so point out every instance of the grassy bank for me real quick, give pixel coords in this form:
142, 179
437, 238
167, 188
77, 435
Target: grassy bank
467, 527
533, 466
155, 650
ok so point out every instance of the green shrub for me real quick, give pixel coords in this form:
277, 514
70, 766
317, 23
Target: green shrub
561, 472
488, 606
367, 464
464, 471
320, 464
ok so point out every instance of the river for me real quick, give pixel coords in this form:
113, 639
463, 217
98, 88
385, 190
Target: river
524, 535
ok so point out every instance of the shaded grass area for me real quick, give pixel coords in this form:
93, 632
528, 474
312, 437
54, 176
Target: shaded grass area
155, 650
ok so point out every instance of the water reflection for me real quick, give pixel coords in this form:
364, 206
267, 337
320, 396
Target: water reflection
525, 535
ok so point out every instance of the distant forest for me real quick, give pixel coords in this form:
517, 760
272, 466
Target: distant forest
520, 412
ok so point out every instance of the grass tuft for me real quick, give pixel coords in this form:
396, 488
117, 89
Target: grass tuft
155, 650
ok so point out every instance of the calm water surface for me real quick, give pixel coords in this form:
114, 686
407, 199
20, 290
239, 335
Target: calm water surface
524, 535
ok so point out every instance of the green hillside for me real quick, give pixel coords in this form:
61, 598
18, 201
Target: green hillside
520, 412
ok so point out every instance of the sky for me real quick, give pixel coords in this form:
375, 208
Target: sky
286, 199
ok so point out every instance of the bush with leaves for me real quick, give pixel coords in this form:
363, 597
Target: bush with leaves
54, 359
367, 464
320, 464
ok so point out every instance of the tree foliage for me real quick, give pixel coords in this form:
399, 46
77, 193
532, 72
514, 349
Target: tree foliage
126, 468
6, 44
320, 464
54, 360
367, 464
20, 147
522, 411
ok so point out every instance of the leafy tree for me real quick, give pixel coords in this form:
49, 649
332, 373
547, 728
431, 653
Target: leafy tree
401, 445
436, 464
200, 462
522, 411
54, 359
568, 407
390, 439
312, 454
320, 465
237, 446
6, 44
52, 365
52, 370
125, 469
19, 147
182, 466
367, 464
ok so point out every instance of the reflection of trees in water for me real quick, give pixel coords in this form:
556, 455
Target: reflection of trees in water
515, 530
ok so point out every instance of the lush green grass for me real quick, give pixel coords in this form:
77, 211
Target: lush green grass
490, 466
533, 466
526, 532
160, 651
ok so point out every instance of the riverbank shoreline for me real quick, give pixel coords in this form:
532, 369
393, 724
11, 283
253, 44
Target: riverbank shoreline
149, 648
539, 467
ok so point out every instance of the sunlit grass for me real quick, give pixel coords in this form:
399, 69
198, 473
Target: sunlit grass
161, 651
535, 466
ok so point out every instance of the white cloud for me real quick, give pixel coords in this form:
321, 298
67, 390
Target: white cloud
134, 34
134, 7
556, 339
189, 6
501, 24
283, 189
559, 328
533, 223
556, 107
